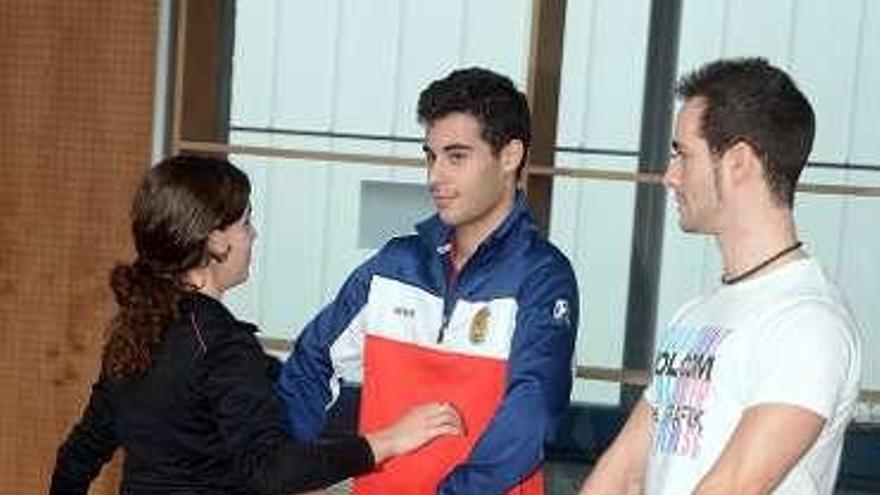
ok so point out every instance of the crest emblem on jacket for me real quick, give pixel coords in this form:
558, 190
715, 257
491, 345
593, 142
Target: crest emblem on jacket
480, 325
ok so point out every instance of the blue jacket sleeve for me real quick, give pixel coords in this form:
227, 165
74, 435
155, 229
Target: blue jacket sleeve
538, 387
309, 380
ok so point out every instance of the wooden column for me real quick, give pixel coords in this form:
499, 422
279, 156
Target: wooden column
76, 89
204, 71
545, 66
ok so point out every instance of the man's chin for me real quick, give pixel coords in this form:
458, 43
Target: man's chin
690, 228
447, 218
688, 225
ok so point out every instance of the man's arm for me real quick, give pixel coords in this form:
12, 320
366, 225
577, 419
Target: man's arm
308, 381
538, 387
621, 469
767, 442
789, 400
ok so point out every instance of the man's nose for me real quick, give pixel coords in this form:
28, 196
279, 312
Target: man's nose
436, 171
669, 175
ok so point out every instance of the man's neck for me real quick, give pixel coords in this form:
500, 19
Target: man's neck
467, 238
750, 240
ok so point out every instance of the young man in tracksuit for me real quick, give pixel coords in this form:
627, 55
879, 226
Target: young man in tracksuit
477, 309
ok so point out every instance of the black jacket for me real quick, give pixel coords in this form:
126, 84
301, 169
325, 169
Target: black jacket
203, 420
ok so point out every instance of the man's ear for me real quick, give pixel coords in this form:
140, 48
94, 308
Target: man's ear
741, 163
511, 155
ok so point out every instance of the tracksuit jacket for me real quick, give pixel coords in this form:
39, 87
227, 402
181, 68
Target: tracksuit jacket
203, 420
495, 340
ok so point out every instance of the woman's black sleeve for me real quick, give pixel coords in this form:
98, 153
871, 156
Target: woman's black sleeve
250, 418
88, 446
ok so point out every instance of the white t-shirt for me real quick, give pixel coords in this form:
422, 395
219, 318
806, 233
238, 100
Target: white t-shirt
785, 337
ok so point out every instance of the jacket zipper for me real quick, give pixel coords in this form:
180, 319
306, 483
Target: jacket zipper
451, 287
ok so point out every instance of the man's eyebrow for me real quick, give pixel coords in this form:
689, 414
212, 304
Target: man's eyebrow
457, 147
448, 148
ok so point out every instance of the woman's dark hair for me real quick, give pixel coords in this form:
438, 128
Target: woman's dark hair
178, 204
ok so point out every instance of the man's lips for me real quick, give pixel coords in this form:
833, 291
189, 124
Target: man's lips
443, 200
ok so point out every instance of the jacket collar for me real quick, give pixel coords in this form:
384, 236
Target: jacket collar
437, 235
210, 308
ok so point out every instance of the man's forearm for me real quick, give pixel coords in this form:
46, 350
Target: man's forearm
621, 470
615, 477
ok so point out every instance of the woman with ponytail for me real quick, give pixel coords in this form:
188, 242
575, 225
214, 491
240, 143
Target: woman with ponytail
185, 389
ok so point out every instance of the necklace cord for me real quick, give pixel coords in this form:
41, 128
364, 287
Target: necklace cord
760, 266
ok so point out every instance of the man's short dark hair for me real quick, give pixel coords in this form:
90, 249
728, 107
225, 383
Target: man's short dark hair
748, 100
501, 109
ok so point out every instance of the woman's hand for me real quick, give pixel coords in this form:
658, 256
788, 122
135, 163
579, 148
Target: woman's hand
417, 427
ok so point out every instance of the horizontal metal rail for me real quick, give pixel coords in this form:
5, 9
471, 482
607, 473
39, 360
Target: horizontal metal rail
533, 169
595, 373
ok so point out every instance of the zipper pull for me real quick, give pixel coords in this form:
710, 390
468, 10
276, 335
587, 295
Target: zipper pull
442, 331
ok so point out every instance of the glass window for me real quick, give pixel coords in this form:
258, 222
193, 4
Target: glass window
344, 77
830, 50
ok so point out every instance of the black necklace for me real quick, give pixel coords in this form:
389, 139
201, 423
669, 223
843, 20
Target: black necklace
751, 271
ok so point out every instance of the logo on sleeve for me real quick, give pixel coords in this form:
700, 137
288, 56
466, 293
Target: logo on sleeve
561, 312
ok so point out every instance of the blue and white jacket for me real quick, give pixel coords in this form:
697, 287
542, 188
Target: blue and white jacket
505, 331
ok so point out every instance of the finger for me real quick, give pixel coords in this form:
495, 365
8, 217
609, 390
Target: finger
445, 430
446, 412
443, 408
450, 419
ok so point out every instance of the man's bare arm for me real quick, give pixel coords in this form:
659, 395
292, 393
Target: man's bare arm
768, 440
621, 469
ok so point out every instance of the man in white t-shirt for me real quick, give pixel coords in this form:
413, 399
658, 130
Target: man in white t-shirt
753, 383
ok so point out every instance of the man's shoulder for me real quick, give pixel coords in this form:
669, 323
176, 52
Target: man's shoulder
542, 254
796, 288
804, 280
402, 250
806, 312
405, 258
405, 242
807, 290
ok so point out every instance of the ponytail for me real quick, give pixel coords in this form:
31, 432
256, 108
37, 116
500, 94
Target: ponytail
146, 304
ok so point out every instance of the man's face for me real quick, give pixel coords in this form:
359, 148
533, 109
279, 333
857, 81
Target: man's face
468, 182
692, 173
